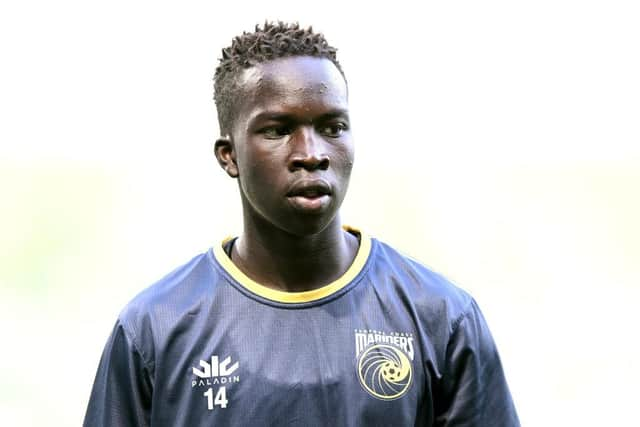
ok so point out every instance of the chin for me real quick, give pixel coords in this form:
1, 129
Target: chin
308, 225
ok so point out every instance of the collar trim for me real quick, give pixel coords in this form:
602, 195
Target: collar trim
297, 297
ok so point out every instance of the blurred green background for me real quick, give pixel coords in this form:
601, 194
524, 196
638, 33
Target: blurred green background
497, 143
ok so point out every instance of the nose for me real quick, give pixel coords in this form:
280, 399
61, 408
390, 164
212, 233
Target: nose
308, 151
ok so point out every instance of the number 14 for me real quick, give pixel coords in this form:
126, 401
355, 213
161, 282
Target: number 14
220, 399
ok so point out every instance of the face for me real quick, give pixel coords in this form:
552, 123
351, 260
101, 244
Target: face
290, 145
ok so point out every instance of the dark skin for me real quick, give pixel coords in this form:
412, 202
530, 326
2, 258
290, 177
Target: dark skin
291, 149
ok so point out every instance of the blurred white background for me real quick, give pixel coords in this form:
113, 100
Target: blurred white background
497, 141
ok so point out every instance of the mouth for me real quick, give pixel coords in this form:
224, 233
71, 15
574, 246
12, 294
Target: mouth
310, 195
310, 189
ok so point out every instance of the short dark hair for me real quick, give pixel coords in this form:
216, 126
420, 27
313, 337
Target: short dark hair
272, 41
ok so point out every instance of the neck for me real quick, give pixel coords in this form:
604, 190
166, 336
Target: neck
292, 263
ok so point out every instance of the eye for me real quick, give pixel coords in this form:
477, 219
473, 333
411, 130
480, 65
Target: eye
275, 132
333, 130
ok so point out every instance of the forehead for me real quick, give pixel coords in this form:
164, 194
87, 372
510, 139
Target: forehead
299, 82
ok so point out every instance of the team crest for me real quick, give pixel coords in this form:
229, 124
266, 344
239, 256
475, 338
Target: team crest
384, 363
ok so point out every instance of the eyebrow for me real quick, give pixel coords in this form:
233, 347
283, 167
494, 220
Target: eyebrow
286, 117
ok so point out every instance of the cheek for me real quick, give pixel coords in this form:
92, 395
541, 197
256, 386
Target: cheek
255, 183
250, 160
258, 173
343, 158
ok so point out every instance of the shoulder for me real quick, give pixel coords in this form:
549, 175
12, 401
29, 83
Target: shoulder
431, 293
175, 291
157, 308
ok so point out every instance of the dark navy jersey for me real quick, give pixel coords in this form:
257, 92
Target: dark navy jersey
390, 343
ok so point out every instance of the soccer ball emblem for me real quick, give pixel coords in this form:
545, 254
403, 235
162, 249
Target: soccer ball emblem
391, 371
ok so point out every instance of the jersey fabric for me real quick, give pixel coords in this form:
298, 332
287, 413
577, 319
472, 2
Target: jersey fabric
390, 343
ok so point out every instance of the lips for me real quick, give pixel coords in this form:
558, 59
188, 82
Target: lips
310, 196
310, 189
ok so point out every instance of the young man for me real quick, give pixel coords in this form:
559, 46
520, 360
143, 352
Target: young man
299, 321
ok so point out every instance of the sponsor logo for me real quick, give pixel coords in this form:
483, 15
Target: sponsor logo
215, 373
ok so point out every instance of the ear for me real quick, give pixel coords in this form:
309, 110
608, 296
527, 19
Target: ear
226, 156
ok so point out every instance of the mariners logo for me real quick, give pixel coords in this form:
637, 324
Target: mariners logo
384, 363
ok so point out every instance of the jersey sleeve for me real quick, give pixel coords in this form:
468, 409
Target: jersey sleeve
122, 390
474, 389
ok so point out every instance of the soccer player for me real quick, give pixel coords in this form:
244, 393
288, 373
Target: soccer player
300, 320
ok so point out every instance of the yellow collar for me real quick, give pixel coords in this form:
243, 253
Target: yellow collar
297, 297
